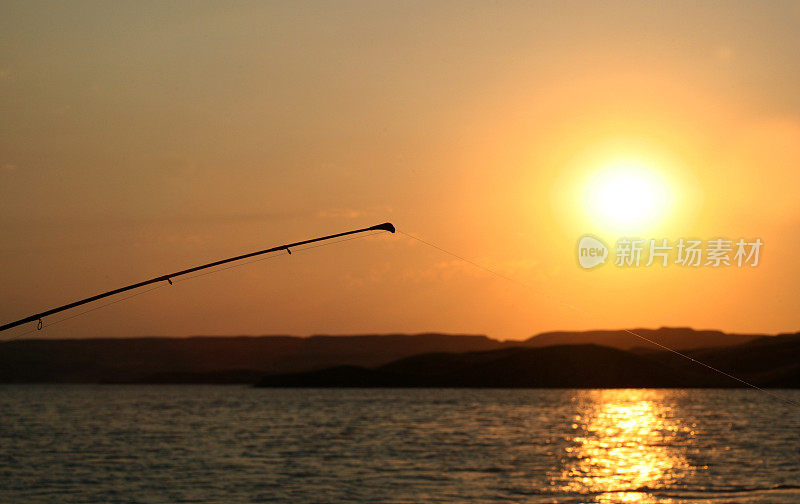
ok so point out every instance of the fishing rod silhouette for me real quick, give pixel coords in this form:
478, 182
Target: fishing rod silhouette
386, 226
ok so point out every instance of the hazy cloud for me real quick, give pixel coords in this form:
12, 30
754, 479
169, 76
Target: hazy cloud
347, 213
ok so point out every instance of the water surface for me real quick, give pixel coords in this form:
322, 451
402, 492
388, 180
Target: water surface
204, 444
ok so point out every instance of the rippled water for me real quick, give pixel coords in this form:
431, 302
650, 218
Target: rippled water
237, 444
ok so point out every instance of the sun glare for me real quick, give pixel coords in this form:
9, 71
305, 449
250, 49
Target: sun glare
626, 196
620, 446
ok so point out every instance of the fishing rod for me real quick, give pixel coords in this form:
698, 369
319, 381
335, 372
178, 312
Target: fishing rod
386, 226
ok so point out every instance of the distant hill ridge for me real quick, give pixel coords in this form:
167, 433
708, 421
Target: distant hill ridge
761, 362
140, 359
242, 359
677, 338
562, 366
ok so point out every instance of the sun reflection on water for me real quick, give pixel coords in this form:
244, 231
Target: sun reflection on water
624, 444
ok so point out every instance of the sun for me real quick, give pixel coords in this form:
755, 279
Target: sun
626, 196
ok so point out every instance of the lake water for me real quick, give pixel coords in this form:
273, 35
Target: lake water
103, 444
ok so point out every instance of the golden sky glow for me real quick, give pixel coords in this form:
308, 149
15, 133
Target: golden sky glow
137, 139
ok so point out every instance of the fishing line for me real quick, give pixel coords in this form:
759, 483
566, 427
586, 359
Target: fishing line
676, 352
159, 286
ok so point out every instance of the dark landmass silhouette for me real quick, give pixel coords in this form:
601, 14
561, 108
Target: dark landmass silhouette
220, 359
764, 362
563, 359
678, 338
567, 366
769, 361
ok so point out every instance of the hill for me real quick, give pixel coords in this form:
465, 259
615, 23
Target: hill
679, 338
765, 362
772, 361
212, 359
243, 359
573, 366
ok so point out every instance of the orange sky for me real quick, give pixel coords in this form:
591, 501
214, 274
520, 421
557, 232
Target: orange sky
141, 138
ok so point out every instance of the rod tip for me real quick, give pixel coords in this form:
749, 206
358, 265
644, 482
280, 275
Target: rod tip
386, 226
